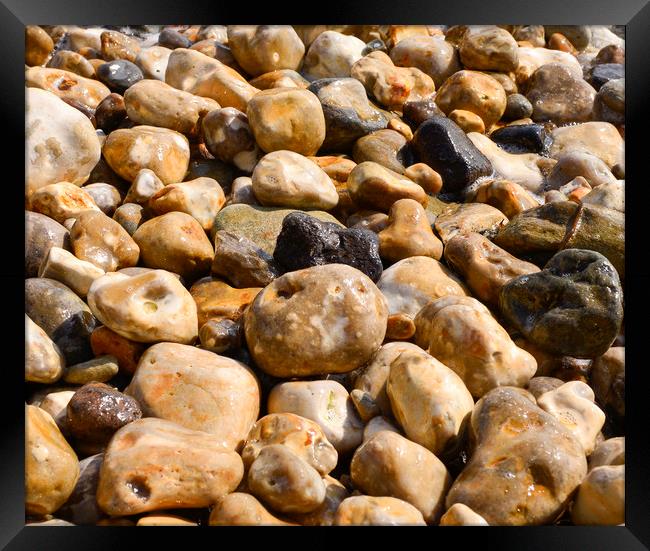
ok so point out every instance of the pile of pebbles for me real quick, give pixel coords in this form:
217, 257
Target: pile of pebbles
324, 275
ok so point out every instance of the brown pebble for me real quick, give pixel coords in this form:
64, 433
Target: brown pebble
105, 341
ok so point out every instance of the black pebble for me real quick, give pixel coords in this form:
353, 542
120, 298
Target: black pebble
119, 75
517, 107
602, 74
169, 38
521, 138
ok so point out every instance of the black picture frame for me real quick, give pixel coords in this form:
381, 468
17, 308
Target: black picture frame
635, 14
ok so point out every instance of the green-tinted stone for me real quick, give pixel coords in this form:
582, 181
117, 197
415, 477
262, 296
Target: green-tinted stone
99, 370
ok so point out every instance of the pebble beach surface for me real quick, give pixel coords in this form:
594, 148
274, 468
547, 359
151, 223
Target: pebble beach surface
324, 275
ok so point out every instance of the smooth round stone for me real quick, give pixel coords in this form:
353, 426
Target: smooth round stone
389, 464
119, 75
522, 453
73, 62
65, 267
484, 266
348, 113
577, 163
221, 335
241, 509
377, 511
99, 369
602, 73
51, 465
611, 53
98, 239
429, 400
462, 218
38, 45
287, 118
41, 234
149, 307
609, 105
600, 499
468, 121
61, 143
557, 95
408, 233
600, 139
579, 35
67, 85
43, 360
155, 103
517, 107
300, 435
145, 185
96, 412
391, 86
332, 55
171, 38
263, 48
62, 201
228, 136
241, 261
81, 507
432, 55
324, 402
261, 225
608, 380
110, 112
330, 318
572, 307
282, 78
129, 216
489, 49
473, 91
416, 112
305, 241
608, 452
116, 45
175, 242
287, 179
461, 515
508, 197
153, 61
323, 515
373, 186
442, 144
423, 175
79, 38
522, 138
152, 464
216, 299
531, 59
385, 147
65, 318
161, 150
105, 196
199, 390
201, 198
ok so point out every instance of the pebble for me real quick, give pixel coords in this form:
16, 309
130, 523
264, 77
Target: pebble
558, 41
228, 137
600, 139
38, 45
484, 266
508, 197
608, 380
201, 198
461, 515
521, 138
388, 464
424, 176
221, 335
72, 62
573, 307
119, 75
172, 39
152, 61
348, 113
149, 307
609, 105
282, 78
379, 424
62, 201
468, 121
217, 300
105, 341
332, 55
601, 497
175, 242
55, 403
330, 318
241, 509
611, 53
83, 38
116, 45
44, 362
303, 437
287, 118
51, 465
81, 507
242, 262
385, 147
531, 59
432, 55
391, 86
462, 333
152, 464
522, 454
608, 452
416, 112
145, 185
260, 49
324, 402
161, 150
463, 218
110, 113
429, 400
154, 103
374, 186
164, 520
198, 74
442, 144
198, 390
261, 225
558, 96
98, 239
572, 404
241, 192
305, 241
67, 85
65, 318
408, 233
130, 216
106, 197
100, 369
41, 234
579, 35
377, 511
287, 179
489, 49
60, 142
517, 107
65, 267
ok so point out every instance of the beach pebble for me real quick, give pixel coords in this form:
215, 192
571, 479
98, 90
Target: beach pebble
145, 185
38, 45
106, 197
332, 54
463, 218
41, 234
608, 452
241, 509
72, 62
517, 107
377, 511
119, 75
81, 507
385, 147
228, 137
62, 201
608, 379
130, 216
521, 138
330, 319
461, 515
510, 198
221, 335
217, 300
100, 369
66, 268
110, 113
489, 49
431, 54
149, 307
282, 78
579, 163
105, 341
242, 262
172, 39
153, 61
600, 139
601, 497
152, 464
43, 360
67, 85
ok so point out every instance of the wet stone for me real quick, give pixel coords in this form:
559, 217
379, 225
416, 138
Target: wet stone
602, 73
119, 75
116, 45
517, 107
43, 360
416, 112
228, 136
105, 341
522, 138
385, 147
100, 369
172, 39
106, 197
305, 241
41, 234
221, 335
